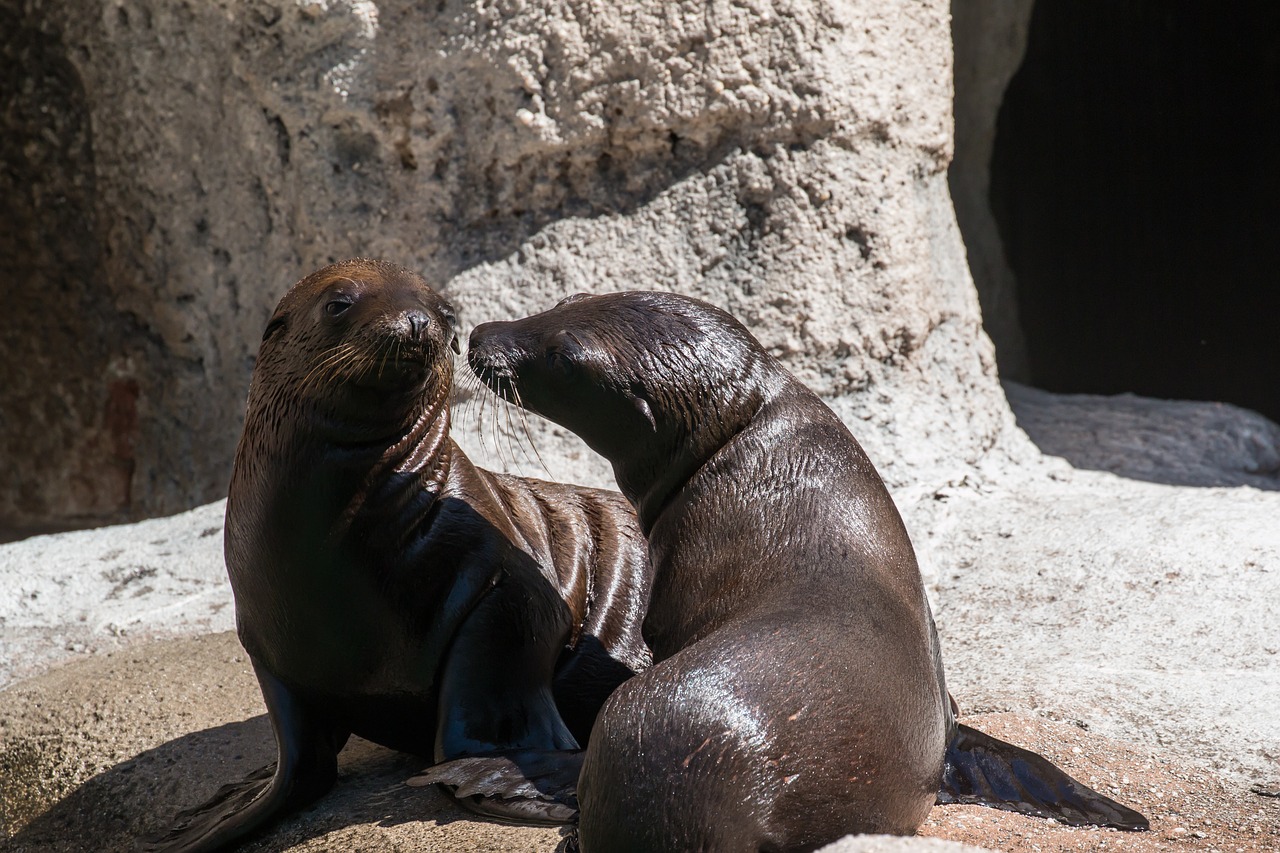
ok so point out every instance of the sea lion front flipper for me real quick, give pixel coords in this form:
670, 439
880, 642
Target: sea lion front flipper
306, 767
981, 770
527, 785
500, 738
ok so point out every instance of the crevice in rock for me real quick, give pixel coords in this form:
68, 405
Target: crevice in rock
55, 401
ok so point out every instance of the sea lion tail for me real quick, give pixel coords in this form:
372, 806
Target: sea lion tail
981, 770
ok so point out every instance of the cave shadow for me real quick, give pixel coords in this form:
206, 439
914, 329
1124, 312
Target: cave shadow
1172, 442
1136, 193
139, 797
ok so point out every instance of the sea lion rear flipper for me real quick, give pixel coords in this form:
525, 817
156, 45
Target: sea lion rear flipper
211, 824
306, 767
981, 770
526, 785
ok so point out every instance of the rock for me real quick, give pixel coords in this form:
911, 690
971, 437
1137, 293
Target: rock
1137, 609
1179, 442
990, 39
97, 590
176, 165
111, 747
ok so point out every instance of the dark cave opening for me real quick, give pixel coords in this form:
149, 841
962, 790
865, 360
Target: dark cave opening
1135, 181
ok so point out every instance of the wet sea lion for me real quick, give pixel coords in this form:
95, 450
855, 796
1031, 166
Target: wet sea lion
798, 692
386, 587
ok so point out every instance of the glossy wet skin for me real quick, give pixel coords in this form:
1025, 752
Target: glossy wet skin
358, 348
788, 620
797, 693
347, 410
655, 389
387, 587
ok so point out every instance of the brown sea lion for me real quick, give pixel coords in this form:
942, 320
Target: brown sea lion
797, 694
386, 587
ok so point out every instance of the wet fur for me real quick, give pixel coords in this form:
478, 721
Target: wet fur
798, 691
387, 587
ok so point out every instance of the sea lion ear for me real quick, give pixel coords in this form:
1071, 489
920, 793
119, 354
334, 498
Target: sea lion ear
451, 320
577, 297
642, 406
276, 324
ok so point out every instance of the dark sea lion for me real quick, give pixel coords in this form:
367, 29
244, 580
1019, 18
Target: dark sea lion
797, 693
386, 587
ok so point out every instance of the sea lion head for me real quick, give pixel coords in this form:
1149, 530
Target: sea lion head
356, 344
654, 382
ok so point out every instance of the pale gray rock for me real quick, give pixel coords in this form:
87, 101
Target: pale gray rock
990, 39
1178, 442
89, 591
786, 161
1138, 610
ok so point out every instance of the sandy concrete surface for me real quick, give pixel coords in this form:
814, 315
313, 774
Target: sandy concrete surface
1123, 627
109, 746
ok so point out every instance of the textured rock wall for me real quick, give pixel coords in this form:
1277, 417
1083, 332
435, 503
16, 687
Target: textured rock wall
990, 38
785, 160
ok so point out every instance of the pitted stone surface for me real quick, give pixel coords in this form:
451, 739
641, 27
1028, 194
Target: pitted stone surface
784, 160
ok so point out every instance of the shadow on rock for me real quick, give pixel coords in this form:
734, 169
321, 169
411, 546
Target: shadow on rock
1174, 442
139, 797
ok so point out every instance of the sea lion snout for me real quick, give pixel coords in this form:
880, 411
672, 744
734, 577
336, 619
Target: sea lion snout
366, 325
418, 329
494, 355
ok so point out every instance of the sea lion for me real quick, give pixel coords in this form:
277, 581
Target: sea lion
797, 693
386, 587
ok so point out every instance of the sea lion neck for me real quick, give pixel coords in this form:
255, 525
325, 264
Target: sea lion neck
401, 485
387, 472
651, 479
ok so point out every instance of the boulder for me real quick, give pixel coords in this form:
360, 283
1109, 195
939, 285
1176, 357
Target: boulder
176, 165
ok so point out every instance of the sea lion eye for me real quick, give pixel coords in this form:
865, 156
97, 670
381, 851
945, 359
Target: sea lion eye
560, 363
337, 306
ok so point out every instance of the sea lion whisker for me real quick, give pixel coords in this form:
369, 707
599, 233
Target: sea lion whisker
353, 361
380, 354
488, 417
515, 436
511, 433
497, 435
471, 411
320, 372
319, 365
524, 422
459, 397
482, 402
501, 417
